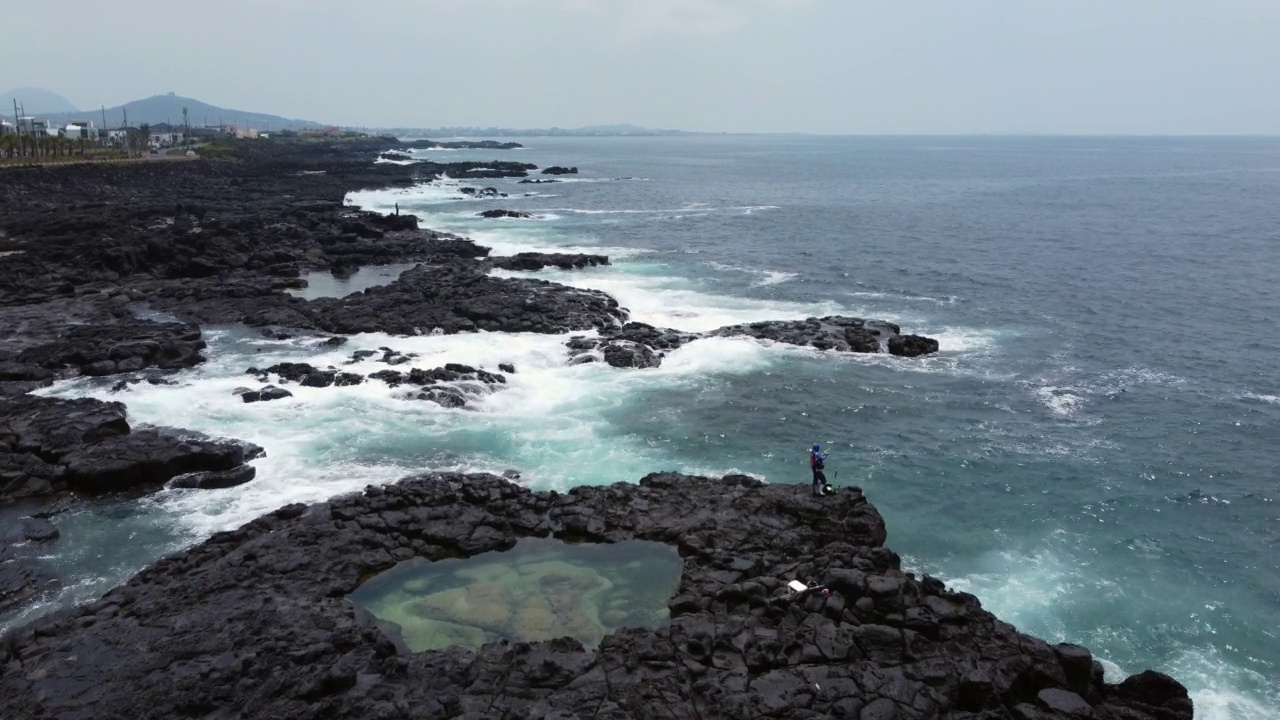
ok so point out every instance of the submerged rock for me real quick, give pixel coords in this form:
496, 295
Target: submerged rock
257, 619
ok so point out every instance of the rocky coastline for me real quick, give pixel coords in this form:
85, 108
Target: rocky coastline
112, 271
256, 622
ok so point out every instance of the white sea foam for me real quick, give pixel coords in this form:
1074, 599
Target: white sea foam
1037, 591
1066, 394
957, 339
949, 300
1272, 399
668, 301
549, 421
1060, 401
768, 277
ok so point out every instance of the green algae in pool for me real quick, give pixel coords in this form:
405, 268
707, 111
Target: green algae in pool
541, 589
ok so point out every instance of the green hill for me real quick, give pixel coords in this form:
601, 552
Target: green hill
36, 101
168, 109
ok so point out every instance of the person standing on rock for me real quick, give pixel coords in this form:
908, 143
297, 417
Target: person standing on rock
817, 461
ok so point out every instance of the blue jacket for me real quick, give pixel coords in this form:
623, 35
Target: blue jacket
816, 459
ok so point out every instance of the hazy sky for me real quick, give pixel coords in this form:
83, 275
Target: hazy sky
830, 66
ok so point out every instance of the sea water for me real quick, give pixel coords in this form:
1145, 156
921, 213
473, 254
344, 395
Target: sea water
1093, 452
540, 589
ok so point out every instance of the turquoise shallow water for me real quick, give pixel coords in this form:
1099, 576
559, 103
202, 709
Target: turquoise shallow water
540, 589
1093, 452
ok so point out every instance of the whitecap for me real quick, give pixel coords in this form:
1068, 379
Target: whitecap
949, 300
1272, 399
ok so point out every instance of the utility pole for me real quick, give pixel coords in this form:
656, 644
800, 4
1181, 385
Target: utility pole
17, 125
128, 141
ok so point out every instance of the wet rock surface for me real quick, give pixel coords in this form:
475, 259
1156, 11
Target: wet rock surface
95, 335
834, 332
637, 345
493, 214
255, 622
453, 385
462, 297
538, 261
51, 447
20, 579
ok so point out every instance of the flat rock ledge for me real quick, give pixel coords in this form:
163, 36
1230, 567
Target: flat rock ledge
51, 447
255, 622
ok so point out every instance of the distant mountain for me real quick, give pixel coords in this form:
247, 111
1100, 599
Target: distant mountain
36, 101
168, 109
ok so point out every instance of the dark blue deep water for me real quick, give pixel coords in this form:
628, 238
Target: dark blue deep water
1093, 453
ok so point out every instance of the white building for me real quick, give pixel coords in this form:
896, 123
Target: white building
34, 126
80, 130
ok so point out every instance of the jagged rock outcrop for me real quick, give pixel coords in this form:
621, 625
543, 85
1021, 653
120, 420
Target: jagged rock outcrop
637, 345
453, 385
461, 297
255, 623
538, 261
20, 579
51, 446
493, 214
94, 335
834, 332
487, 192
557, 170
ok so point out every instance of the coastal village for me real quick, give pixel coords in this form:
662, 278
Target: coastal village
27, 137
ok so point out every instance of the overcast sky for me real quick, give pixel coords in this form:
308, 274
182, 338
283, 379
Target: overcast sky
827, 66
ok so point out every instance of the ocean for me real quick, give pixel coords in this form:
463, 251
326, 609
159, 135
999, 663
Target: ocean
1093, 452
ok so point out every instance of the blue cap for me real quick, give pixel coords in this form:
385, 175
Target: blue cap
817, 447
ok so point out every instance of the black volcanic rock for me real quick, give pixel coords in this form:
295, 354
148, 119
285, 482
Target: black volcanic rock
633, 345
912, 345
20, 579
93, 335
488, 192
254, 622
637, 345
266, 394
835, 332
537, 181
215, 480
451, 386
557, 170
538, 261
50, 446
149, 458
493, 214
460, 297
